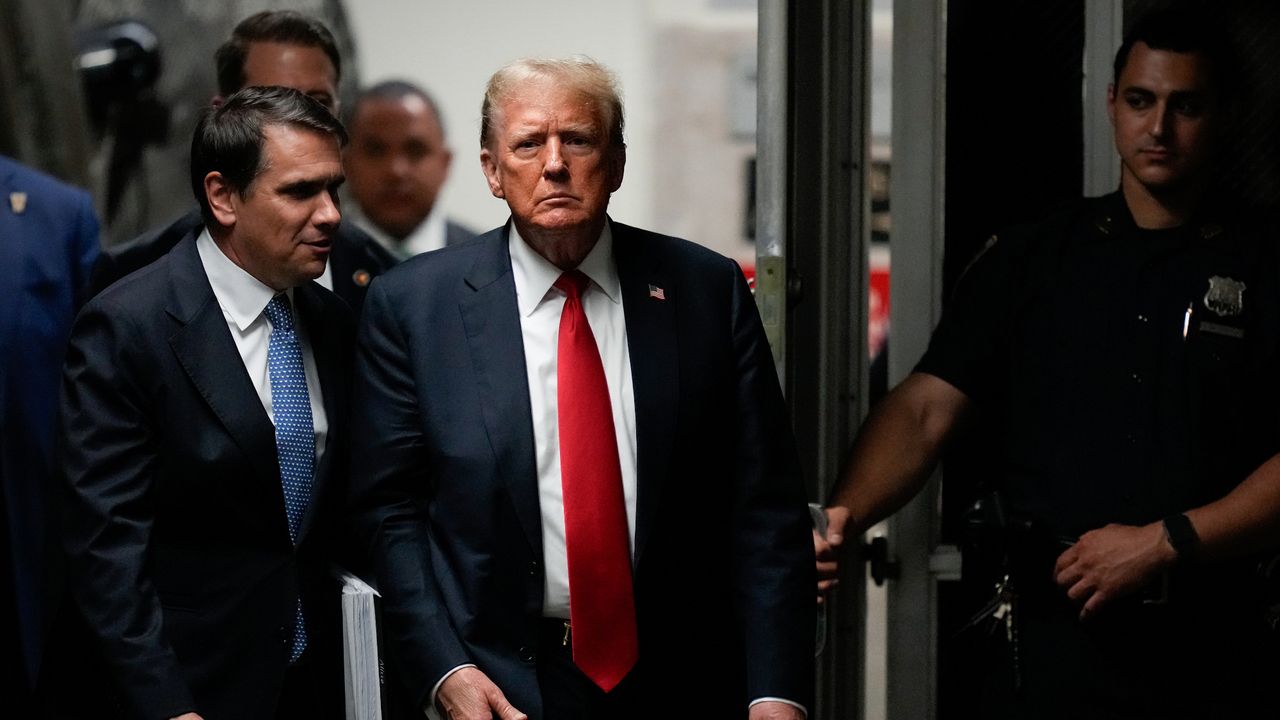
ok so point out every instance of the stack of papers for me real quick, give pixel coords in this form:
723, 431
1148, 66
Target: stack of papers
361, 665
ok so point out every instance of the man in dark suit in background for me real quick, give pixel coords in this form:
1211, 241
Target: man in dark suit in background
274, 47
396, 165
203, 421
552, 423
50, 238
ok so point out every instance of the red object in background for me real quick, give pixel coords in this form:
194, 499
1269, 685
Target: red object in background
877, 297
878, 300
749, 272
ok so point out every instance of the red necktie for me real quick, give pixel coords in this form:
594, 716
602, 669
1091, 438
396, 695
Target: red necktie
602, 608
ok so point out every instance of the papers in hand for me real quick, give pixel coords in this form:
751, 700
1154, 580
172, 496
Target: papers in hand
361, 666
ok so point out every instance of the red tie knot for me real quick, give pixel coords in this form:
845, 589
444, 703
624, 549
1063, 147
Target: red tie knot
573, 283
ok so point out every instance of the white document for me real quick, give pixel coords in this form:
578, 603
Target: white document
361, 666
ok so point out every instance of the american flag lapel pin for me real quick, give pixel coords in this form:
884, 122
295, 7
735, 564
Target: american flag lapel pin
656, 293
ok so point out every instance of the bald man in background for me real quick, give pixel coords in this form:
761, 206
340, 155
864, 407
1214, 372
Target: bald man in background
396, 165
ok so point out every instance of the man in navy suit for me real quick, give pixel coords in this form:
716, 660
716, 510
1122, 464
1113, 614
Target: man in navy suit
552, 424
203, 421
49, 240
273, 47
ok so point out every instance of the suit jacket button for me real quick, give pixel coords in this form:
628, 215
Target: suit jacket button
533, 568
527, 655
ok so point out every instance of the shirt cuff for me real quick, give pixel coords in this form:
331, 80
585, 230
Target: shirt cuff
430, 709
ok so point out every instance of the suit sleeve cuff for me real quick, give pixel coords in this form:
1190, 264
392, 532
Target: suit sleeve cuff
757, 701
430, 709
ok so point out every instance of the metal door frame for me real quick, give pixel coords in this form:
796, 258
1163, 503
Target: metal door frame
812, 231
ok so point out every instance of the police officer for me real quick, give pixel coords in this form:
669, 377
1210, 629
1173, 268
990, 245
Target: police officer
1124, 352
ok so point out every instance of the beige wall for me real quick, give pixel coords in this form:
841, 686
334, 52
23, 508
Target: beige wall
451, 48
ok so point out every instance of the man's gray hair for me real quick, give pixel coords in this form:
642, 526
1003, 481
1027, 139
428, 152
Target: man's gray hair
579, 72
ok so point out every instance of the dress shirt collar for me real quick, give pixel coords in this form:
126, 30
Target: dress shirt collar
431, 234
241, 296
534, 274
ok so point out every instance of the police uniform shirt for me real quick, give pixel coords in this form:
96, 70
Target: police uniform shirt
1129, 373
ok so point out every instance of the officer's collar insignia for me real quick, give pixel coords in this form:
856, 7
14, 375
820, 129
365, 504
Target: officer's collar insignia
18, 202
1208, 231
1104, 224
986, 247
1225, 296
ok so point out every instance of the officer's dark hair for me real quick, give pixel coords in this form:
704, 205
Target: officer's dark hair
280, 26
229, 137
392, 91
1182, 30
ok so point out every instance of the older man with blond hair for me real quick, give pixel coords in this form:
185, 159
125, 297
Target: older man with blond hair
548, 418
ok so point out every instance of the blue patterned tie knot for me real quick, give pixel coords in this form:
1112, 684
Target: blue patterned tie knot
280, 313
295, 430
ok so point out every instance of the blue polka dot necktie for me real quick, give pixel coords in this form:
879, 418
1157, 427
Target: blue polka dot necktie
295, 432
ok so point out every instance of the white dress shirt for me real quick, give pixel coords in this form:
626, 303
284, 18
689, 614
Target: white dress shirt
243, 298
429, 235
325, 279
540, 307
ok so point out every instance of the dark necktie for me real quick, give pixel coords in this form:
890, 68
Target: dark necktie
601, 602
295, 431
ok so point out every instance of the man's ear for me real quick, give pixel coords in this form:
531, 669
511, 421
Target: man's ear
221, 198
489, 165
1111, 102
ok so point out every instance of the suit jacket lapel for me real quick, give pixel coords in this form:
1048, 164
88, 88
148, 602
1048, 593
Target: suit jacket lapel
491, 319
652, 342
12, 267
206, 351
327, 351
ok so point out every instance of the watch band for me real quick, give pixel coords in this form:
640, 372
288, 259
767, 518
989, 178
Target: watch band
1181, 535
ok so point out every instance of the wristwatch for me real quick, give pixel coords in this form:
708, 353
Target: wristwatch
1181, 536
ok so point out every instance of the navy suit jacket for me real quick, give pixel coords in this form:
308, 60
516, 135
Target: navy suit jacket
445, 486
45, 254
180, 557
354, 260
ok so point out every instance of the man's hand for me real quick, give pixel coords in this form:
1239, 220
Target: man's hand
1111, 563
469, 694
771, 710
827, 549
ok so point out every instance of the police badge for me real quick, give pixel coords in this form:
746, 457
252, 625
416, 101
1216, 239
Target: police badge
1225, 296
